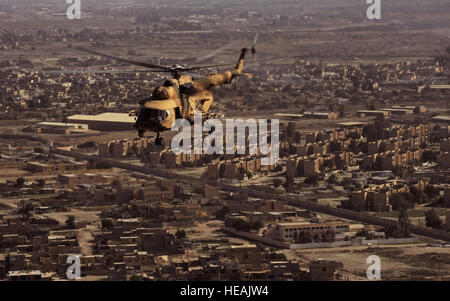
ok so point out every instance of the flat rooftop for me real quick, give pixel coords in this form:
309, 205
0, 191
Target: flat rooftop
289, 115
104, 117
62, 124
351, 123
295, 224
370, 111
398, 110
442, 118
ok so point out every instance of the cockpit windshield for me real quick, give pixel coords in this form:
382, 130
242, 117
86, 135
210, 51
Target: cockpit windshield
152, 114
168, 83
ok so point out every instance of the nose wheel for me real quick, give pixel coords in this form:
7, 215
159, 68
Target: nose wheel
159, 140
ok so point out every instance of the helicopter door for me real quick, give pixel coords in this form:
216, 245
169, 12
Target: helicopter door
186, 107
205, 105
163, 115
178, 113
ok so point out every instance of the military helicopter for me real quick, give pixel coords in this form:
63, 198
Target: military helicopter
180, 96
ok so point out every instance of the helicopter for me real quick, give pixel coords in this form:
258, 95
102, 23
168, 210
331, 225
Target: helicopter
181, 96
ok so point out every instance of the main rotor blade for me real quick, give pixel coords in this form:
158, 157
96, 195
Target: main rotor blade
230, 64
255, 40
199, 60
207, 66
132, 62
269, 60
194, 75
96, 71
253, 48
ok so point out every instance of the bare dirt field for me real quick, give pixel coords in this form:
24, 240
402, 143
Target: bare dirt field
210, 232
397, 262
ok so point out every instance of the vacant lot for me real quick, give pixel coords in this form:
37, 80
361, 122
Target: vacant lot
397, 262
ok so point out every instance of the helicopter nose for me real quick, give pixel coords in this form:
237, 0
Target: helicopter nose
146, 122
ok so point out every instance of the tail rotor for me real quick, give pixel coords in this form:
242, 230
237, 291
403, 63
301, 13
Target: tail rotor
253, 48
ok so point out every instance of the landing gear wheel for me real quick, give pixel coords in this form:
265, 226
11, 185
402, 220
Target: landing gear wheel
159, 140
141, 134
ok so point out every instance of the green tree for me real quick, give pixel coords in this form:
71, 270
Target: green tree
241, 171
328, 236
312, 180
405, 224
432, 219
304, 237
429, 156
256, 225
332, 179
70, 222
431, 191
136, 277
354, 135
20, 182
241, 225
341, 111
117, 185
390, 231
291, 130
364, 233
398, 201
220, 214
26, 209
335, 146
340, 164
88, 144
276, 182
180, 234
108, 223
376, 131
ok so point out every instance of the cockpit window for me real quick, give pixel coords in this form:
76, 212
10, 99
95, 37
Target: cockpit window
168, 83
151, 114
163, 115
148, 114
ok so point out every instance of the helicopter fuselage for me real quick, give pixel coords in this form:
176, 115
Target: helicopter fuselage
180, 98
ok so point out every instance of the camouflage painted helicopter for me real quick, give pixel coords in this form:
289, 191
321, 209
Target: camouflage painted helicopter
181, 96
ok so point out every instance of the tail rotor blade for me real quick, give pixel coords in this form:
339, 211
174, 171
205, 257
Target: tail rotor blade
199, 60
253, 48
